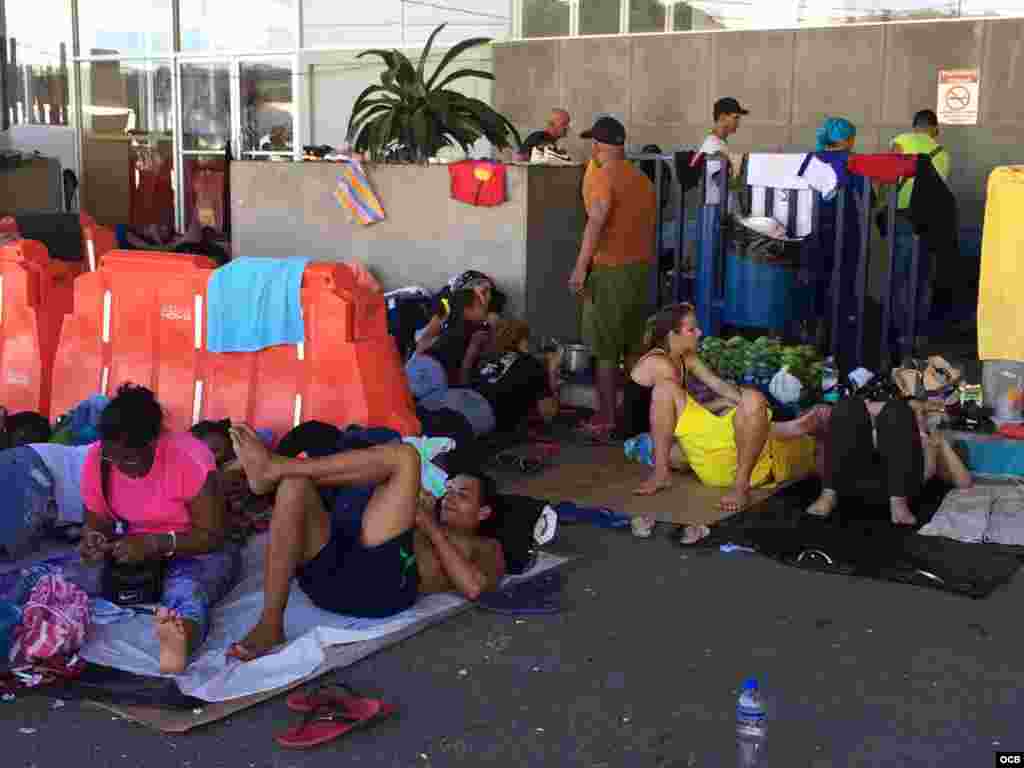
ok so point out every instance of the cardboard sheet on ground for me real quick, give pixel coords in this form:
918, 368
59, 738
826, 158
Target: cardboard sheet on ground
321, 642
604, 477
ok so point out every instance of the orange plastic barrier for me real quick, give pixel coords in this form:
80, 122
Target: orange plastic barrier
35, 294
141, 318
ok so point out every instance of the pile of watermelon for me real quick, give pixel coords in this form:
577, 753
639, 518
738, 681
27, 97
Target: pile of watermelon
756, 362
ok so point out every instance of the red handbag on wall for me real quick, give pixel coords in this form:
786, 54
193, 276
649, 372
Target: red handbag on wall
478, 182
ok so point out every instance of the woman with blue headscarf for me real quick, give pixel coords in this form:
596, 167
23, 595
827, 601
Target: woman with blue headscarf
835, 139
836, 134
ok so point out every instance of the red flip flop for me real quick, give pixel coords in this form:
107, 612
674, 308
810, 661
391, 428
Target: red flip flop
349, 701
331, 717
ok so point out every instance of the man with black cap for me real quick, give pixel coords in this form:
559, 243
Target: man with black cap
727, 114
612, 272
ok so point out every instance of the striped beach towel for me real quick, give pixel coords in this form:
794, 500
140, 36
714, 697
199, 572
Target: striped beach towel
356, 196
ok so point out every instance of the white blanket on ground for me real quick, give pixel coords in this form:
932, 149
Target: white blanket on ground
991, 513
131, 645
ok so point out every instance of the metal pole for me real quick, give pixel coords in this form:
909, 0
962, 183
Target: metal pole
837, 275
910, 344
659, 223
884, 360
677, 282
862, 265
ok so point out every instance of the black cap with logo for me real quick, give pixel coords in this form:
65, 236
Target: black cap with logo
607, 130
729, 106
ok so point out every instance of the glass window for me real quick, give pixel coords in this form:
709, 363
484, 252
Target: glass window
205, 106
330, 23
267, 110
108, 28
38, 56
545, 18
128, 143
255, 25
599, 17
474, 18
682, 17
647, 15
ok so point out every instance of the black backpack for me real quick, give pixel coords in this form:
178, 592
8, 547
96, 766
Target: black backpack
512, 524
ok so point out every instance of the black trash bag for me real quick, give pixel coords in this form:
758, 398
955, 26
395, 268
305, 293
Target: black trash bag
761, 249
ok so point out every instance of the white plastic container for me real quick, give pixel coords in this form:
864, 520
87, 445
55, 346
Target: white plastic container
1002, 382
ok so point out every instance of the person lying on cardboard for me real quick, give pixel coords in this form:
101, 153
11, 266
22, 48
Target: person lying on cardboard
350, 526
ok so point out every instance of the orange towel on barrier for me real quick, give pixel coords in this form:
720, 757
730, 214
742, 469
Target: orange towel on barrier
1000, 306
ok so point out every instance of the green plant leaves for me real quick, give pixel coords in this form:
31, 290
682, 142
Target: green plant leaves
478, 73
454, 52
408, 117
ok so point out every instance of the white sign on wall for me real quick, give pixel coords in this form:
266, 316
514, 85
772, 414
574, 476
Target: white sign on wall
958, 96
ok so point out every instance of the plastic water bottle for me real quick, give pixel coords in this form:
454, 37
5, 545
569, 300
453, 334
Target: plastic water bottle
751, 726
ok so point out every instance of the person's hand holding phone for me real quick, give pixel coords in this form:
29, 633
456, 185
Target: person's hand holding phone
93, 547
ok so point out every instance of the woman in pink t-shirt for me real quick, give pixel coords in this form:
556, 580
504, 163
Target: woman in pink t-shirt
160, 499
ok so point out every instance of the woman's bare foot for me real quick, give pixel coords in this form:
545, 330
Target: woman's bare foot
262, 640
825, 504
652, 485
694, 533
900, 511
173, 637
256, 459
735, 500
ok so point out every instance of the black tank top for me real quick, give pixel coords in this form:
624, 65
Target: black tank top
636, 403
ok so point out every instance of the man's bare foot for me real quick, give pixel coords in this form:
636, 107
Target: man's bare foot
900, 511
173, 637
256, 459
735, 500
694, 533
825, 504
652, 485
262, 640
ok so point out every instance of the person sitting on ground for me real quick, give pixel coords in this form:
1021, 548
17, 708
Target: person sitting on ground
241, 504
23, 428
728, 442
515, 382
152, 494
41, 483
198, 240
439, 376
883, 453
362, 554
464, 338
477, 282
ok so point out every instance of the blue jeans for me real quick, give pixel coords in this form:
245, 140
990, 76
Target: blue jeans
901, 282
27, 494
429, 385
193, 585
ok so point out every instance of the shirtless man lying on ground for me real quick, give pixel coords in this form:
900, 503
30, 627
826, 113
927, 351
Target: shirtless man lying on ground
731, 441
363, 556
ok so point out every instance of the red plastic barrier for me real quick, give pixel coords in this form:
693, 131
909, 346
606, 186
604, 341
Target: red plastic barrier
141, 318
35, 295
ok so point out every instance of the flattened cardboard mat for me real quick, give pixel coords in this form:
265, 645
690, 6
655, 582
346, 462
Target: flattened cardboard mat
602, 476
336, 656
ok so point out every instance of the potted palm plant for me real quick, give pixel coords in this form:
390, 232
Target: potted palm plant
410, 115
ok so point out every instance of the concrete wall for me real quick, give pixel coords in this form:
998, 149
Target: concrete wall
876, 75
288, 209
528, 244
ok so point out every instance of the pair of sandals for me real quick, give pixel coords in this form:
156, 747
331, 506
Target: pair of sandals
328, 714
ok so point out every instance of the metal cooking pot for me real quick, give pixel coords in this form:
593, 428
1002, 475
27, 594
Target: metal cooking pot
578, 358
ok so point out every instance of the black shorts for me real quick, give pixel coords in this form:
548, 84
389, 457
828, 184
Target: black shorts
350, 579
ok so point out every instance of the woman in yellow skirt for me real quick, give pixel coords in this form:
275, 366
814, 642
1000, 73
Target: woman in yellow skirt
729, 442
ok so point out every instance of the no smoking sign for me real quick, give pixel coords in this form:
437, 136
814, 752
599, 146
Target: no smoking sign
958, 96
